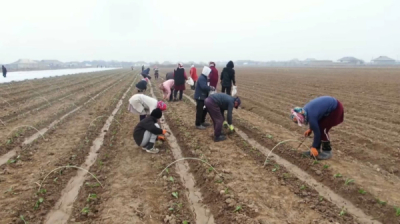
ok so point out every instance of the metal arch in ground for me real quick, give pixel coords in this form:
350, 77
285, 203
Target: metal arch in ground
323, 190
62, 210
202, 213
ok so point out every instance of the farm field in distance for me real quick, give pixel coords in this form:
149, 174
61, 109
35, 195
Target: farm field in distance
49, 127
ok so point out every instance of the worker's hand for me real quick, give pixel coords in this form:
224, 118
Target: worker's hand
164, 132
314, 151
161, 138
308, 133
231, 128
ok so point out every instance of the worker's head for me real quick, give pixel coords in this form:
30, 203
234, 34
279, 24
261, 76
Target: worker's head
146, 79
206, 71
298, 115
161, 105
180, 65
192, 66
211, 64
156, 113
237, 102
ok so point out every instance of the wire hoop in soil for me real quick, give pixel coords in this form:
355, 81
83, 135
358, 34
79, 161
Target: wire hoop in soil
3, 122
181, 159
6, 101
77, 167
26, 126
282, 142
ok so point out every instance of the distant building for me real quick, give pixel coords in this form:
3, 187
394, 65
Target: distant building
51, 63
24, 64
383, 60
351, 60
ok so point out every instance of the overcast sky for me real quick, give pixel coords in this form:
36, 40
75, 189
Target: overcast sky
184, 30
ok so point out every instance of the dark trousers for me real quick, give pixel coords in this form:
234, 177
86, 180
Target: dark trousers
336, 117
142, 117
201, 112
215, 114
227, 90
171, 95
180, 94
194, 86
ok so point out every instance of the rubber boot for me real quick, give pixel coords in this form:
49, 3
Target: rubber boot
326, 152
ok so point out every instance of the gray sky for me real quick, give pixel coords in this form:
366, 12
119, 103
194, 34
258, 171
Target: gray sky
183, 30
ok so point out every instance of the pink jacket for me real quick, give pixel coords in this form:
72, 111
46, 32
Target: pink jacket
166, 88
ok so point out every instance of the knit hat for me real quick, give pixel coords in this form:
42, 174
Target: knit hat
161, 105
237, 99
156, 113
298, 115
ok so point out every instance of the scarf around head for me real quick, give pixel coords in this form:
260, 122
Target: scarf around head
300, 114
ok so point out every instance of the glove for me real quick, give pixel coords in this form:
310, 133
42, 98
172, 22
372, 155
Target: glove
314, 152
231, 128
162, 138
308, 133
225, 124
164, 132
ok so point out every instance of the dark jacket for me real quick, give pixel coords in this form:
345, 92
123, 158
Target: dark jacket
146, 71
4, 70
170, 75
202, 89
142, 85
317, 109
142, 68
179, 77
228, 75
147, 124
225, 102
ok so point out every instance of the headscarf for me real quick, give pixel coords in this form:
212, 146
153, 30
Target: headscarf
211, 64
298, 115
180, 65
192, 66
161, 105
206, 71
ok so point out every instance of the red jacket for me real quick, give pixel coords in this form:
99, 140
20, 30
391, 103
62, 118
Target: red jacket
213, 77
193, 74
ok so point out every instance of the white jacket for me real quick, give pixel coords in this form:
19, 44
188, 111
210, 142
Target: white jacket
142, 104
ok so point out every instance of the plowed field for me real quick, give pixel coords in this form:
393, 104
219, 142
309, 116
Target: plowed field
67, 154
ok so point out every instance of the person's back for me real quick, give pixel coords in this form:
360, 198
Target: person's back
169, 75
193, 73
213, 75
228, 75
320, 107
179, 76
223, 100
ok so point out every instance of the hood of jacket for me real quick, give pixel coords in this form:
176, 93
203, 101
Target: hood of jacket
230, 64
206, 71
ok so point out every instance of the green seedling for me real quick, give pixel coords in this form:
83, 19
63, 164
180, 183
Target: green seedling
320, 198
286, 175
326, 166
9, 190
397, 211
348, 181
276, 168
381, 202
210, 169
91, 197
302, 187
38, 202
171, 209
180, 205
337, 175
269, 136
226, 190
175, 194
11, 161
315, 162
55, 179
23, 219
9, 141
85, 210
171, 179
361, 191
219, 181
238, 208
185, 222
42, 191
342, 212
167, 170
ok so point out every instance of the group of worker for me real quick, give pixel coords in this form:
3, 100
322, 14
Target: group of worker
321, 113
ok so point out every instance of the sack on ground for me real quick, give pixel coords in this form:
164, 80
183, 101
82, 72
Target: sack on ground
234, 90
190, 81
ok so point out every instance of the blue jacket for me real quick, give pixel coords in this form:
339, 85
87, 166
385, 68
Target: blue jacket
202, 89
225, 102
316, 109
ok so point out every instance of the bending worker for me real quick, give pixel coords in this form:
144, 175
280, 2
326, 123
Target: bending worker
322, 113
142, 105
216, 104
141, 86
148, 131
168, 88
